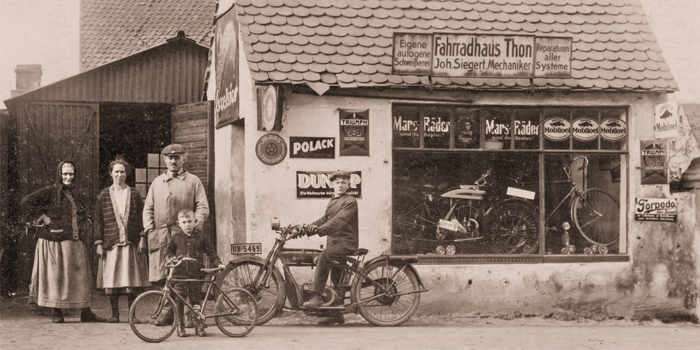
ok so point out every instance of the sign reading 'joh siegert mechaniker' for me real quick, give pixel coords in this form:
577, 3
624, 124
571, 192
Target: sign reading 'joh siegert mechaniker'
481, 55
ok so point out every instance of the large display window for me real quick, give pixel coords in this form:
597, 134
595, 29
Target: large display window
509, 180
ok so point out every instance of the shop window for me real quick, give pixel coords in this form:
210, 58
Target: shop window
509, 180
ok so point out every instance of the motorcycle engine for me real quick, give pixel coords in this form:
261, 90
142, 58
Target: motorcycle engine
329, 296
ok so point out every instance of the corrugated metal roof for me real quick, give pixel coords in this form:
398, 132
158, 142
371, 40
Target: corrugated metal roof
172, 72
348, 43
111, 30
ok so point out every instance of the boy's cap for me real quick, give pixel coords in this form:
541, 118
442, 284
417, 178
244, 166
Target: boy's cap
343, 174
174, 149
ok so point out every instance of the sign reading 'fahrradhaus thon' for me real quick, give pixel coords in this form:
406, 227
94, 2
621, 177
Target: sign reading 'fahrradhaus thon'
481, 55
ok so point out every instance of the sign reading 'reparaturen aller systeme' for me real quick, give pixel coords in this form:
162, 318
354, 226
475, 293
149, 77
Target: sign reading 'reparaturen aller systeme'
481, 55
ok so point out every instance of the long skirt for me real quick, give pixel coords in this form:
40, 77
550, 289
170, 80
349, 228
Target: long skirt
61, 275
123, 270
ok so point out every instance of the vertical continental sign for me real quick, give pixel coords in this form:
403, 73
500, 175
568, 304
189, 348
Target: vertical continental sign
481, 55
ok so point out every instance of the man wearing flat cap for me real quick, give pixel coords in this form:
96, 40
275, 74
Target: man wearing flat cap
340, 224
174, 190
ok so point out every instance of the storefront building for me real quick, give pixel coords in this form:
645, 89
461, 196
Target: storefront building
508, 144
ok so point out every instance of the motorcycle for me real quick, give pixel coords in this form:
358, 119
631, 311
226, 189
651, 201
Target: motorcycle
385, 290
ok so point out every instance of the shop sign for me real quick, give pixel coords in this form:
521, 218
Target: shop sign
470, 55
653, 162
354, 132
655, 209
412, 53
312, 147
553, 57
271, 149
496, 129
525, 130
585, 129
613, 129
666, 120
557, 129
315, 184
226, 70
481, 55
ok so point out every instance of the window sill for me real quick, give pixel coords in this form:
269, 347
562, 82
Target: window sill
516, 259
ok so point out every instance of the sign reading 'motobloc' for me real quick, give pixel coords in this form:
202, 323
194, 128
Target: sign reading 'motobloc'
481, 55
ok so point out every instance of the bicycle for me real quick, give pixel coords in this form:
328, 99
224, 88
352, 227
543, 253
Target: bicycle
478, 212
235, 311
594, 212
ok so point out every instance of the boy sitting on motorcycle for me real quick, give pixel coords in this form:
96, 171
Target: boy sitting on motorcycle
340, 224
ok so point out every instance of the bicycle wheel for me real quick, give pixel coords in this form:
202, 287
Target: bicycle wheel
596, 214
241, 310
511, 228
270, 297
385, 304
145, 311
411, 216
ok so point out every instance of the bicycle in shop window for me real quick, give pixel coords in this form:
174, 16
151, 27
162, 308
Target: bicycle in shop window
594, 212
500, 219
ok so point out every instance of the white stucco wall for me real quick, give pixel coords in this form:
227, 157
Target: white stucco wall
659, 278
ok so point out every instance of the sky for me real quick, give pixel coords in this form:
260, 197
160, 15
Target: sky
47, 32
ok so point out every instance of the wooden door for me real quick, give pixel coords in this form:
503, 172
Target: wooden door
49, 133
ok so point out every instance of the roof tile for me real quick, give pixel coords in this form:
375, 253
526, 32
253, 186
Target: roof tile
349, 42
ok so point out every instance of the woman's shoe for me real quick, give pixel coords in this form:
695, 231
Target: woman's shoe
57, 316
113, 319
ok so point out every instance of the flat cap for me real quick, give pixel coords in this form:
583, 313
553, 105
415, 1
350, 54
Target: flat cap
344, 174
173, 149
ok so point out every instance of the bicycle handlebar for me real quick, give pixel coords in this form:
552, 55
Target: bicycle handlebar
169, 263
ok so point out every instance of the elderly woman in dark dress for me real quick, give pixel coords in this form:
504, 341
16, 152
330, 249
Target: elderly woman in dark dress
117, 230
61, 274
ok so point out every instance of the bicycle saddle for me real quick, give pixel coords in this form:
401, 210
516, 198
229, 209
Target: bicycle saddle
360, 252
464, 193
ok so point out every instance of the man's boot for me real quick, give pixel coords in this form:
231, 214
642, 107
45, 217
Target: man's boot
315, 301
199, 327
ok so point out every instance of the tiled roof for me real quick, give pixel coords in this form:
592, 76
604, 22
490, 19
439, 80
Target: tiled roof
111, 30
348, 43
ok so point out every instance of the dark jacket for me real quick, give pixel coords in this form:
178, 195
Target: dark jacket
105, 226
193, 246
340, 222
52, 201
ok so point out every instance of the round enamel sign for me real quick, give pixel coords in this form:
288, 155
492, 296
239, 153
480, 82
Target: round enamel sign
585, 129
271, 149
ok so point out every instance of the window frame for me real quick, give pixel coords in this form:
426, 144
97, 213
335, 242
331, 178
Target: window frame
541, 256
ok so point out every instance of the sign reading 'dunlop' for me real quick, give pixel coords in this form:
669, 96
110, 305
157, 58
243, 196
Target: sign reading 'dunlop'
481, 55
316, 184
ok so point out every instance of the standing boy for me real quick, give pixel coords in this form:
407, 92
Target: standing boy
187, 240
340, 224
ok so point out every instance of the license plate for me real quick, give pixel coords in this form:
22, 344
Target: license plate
246, 248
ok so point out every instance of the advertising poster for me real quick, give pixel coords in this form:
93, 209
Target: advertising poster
666, 120
653, 162
315, 184
226, 60
655, 209
354, 132
312, 147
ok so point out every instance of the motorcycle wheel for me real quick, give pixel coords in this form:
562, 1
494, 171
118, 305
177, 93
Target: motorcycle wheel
270, 299
377, 304
511, 228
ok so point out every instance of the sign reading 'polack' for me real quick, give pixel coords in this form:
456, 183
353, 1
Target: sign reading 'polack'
311, 147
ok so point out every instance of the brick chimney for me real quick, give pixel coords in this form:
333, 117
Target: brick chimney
28, 78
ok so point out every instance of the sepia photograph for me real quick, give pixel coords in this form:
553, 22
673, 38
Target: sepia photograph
349, 174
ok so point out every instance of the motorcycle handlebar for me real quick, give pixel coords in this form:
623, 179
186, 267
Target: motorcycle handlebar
482, 180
